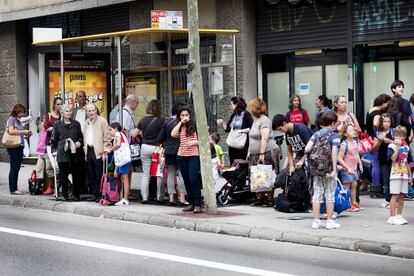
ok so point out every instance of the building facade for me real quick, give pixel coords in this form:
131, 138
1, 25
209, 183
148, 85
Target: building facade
285, 47
30, 74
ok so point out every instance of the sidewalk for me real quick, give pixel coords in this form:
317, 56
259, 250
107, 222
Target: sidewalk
365, 231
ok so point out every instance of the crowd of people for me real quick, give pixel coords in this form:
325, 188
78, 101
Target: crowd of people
81, 142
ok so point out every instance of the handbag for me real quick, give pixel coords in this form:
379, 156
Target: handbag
122, 156
10, 141
41, 143
262, 178
157, 162
365, 143
342, 199
236, 139
135, 147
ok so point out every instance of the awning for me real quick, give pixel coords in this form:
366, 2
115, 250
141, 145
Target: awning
132, 33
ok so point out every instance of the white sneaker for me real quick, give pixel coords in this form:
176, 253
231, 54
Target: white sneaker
325, 216
402, 219
316, 224
394, 221
331, 224
122, 202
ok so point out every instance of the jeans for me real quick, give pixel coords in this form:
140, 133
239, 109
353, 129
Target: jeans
95, 170
16, 158
385, 170
375, 173
190, 169
146, 156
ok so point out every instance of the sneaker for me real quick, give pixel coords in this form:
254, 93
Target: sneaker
197, 210
331, 224
394, 220
189, 208
316, 224
122, 202
402, 219
353, 209
385, 205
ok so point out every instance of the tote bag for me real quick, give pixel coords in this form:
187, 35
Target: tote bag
122, 156
41, 143
236, 139
10, 141
262, 178
157, 162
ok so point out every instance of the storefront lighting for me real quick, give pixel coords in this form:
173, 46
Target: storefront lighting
407, 43
382, 43
308, 52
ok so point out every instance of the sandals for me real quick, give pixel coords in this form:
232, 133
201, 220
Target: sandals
17, 192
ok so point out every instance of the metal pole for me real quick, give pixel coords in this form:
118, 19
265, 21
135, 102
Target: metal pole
118, 46
234, 66
169, 74
62, 74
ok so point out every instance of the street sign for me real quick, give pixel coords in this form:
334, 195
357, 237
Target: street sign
170, 20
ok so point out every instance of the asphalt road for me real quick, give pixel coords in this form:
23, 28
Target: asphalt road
36, 242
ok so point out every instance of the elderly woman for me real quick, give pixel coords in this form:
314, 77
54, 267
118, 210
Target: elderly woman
15, 127
344, 116
67, 145
262, 146
240, 120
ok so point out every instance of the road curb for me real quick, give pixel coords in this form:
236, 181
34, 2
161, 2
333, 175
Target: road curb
263, 233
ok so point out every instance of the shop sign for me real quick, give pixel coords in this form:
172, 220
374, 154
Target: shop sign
170, 20
304, 89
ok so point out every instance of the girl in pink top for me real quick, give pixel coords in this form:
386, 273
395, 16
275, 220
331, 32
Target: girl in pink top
349, 159
188, 158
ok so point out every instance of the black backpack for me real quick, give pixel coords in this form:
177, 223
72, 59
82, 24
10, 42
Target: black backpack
295, 197
320, 157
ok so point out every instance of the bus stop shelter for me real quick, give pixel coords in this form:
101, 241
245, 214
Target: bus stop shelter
117, 37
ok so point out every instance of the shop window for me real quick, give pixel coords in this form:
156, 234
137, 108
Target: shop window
278, 97
405, 71
308, 85
336, 80
378, 77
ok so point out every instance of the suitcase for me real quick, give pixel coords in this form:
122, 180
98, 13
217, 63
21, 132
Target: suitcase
110, 187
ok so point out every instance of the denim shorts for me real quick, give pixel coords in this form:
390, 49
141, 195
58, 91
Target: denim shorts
124, 169
349, 178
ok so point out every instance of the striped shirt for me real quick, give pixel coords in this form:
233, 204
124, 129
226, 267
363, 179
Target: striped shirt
184, 150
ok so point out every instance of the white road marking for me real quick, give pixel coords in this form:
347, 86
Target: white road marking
145, 253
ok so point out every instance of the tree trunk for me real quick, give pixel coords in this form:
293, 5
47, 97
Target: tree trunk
200, 107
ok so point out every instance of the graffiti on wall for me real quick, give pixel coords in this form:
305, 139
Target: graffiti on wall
287, 17
380, 14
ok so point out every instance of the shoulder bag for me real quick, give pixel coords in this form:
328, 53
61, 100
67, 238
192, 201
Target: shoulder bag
236, 139
10, 141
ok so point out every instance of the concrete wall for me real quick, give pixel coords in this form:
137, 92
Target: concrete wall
240, 15
11, 10
13, 72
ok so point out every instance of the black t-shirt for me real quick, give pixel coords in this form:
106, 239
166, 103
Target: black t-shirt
299, 138
370, 122
151, 127
383, 149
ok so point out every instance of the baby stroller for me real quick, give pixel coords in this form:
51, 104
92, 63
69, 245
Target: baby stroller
237, 186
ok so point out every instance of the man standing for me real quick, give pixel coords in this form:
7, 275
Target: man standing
94, 134
114, 114
131, 103
79, 113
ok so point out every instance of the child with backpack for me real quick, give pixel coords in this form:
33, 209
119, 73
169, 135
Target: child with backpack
383, 137
350, 161
115, 131
400, 154
323, 151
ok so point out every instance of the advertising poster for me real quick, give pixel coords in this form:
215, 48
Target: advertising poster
146, 90
93, 83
